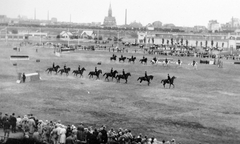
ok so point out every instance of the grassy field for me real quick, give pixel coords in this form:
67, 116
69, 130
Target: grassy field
203, 106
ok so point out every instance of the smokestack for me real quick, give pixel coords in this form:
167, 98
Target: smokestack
35, 14
125, 16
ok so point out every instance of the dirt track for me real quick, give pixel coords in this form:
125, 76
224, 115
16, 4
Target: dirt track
203, 107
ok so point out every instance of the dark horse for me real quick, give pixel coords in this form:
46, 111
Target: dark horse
51, 69
150, 77
113, 74
76, 72
113, 58
122, 59
144, 60
92, 73
118, 77
64, 71
132, 59
165, 81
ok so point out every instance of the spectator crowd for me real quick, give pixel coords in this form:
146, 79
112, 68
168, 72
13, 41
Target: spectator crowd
50, 132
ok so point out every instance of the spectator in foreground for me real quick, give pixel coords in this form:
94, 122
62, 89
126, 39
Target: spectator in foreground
13, 122
6, 129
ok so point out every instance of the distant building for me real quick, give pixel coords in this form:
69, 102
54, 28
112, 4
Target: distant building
135, 25
3, 19
53, 20
88, 33
200, 28
169, 25
214, 26
157, 24
149, 27
65, 34
109, 20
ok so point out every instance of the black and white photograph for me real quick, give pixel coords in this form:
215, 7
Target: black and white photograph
119, 71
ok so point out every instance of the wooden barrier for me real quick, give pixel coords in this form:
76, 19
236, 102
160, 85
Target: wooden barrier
236, 62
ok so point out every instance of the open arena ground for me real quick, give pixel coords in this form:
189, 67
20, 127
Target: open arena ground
203, 106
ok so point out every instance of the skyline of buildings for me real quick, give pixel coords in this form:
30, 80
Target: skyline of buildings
110, 21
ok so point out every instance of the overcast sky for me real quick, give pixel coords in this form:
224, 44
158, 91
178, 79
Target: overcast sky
178, 12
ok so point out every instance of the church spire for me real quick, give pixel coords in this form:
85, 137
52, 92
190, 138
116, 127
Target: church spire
110, 10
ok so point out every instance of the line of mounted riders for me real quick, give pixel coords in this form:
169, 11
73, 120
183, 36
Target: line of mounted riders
131, 59
112, 74
142, 61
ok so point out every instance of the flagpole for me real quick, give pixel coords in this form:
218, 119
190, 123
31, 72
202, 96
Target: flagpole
78, 37
68, 37
6, 35
40, 36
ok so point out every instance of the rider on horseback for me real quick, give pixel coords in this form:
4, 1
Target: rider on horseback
53, 65
111, 71
123, 72
168, 77
146, 75
64, 67
79, 68
121, 56
96, 70
132, 57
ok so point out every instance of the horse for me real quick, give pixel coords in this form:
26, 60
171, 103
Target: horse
118, 77
132, 59
144, 60
122, 59
113, 75
92, 73
64, 71
80, 72
51, 69
113, 58
194, 66
166, 81
150, 77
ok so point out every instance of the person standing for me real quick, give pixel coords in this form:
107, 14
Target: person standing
13, 122
23, 77
6, 129
166, 61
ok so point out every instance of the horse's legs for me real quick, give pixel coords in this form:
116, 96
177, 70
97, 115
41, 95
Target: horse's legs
173, 86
